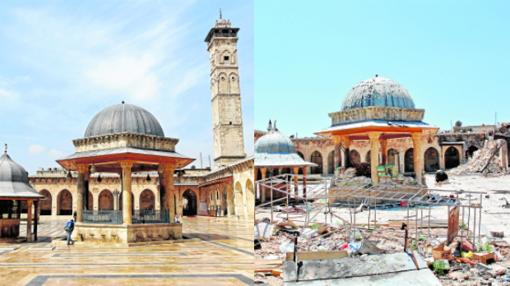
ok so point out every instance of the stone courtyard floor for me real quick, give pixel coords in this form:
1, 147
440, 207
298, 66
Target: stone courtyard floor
219, 251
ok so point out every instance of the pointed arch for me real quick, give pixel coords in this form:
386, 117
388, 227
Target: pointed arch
105, 200
46, 203
316, 158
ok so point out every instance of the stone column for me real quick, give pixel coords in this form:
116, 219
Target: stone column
82, 174
29, 220
296, 184
346, 143
442, 165
36, 218
116, 195
167, 180
418, 155
263, 191
384, 150
374, 155
127, 200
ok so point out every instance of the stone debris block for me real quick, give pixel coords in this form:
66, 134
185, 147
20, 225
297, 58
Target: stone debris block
348, 267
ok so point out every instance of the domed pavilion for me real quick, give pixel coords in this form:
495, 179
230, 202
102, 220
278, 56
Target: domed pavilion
275, 154
124, 139
378, 110
14, 189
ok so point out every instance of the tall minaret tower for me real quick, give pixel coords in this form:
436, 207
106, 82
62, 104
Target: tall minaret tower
226, 94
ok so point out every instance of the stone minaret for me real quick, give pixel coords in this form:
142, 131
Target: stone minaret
226, 94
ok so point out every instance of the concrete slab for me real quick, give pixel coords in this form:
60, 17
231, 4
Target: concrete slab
349, 267
423, 277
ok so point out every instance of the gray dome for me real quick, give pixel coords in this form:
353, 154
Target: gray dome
378, 91
124, 118
11, 171
274, 142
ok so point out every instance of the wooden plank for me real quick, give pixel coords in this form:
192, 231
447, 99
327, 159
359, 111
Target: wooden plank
316, 255
453, 224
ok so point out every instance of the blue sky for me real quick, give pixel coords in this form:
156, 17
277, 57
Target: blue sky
452, 56
61, 62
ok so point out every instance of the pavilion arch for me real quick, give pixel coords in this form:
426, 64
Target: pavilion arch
90, 200
64, 202
393, 158
354, 158
46, 203
409, 161
331, 162
470, 151
316, 158
190, 203
431, 160
451, 157
105, 200
238, 198
147, 200
368, 157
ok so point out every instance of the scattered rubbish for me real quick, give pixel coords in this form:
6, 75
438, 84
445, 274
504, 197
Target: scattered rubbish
498, 234
441, 266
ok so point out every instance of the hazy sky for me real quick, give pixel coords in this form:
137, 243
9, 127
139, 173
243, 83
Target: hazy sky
61, 62
452, 56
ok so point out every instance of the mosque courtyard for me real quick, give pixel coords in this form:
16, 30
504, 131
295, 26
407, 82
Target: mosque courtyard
214, 251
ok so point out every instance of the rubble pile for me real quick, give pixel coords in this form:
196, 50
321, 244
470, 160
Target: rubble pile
485, 160
458, 263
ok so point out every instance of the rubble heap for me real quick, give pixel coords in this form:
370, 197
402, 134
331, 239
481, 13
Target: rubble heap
485, 160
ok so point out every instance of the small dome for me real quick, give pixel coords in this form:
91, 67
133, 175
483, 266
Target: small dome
378, 91
274, 142
124, 118
11, 171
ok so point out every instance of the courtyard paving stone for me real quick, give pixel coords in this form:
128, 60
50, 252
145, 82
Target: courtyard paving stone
218, 251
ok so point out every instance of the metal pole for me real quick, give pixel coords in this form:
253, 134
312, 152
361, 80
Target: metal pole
288, 195
369, 199
480, 219
416, 226
407, 213
375, 214
474, 226
430, 232
463, 223
271, 185
469, 216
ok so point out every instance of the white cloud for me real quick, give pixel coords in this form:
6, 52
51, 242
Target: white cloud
128, 74
36, 149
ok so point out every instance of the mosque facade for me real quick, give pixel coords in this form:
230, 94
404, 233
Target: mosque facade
385, 100
225, 190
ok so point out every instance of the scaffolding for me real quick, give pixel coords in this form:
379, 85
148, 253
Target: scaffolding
370, 199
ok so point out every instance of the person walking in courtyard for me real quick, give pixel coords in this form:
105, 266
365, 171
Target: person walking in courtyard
69, 227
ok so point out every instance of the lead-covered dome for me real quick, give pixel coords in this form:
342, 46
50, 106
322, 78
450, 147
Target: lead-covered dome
124, 118
378, 91
11, 171
274, 142
14, 181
